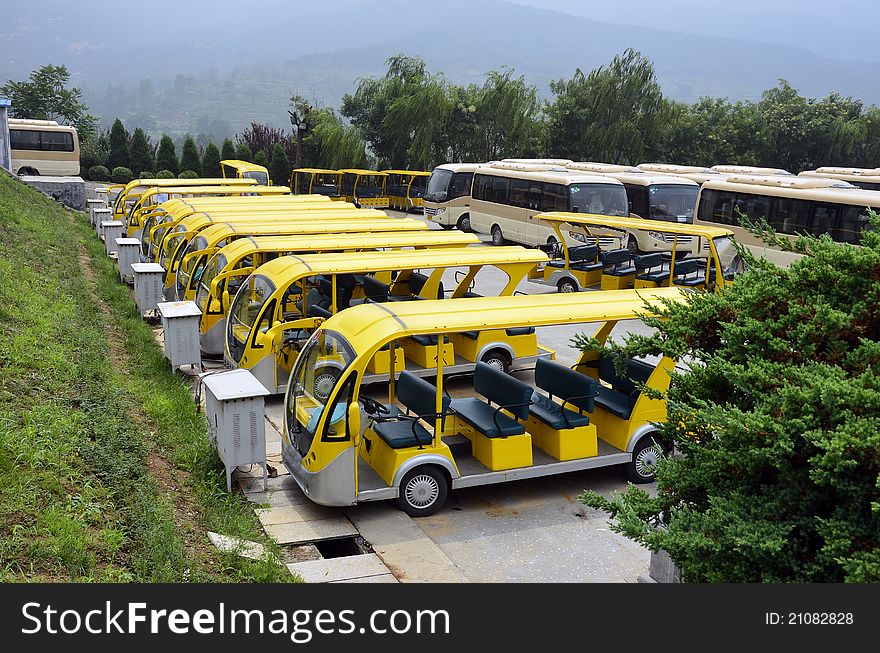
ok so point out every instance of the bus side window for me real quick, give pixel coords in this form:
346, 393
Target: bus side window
824, 217
336, 428
500, 189
519, 193
461, 185
790, 216
852, 220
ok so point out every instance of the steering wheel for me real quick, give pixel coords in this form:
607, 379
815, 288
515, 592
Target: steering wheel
373, 407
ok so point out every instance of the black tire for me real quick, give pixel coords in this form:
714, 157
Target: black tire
325, 379
28, 172
497, 236
497, 358
423, 491
645, 457
448, 227
464, 223
632, 246
566, 285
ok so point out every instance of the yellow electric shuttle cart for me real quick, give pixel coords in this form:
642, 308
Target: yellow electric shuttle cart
131, 192
178, 243
151, 200
422, 443
189, 262
218, 278
279, 305
168, 214
406, 188
364, 187
235, 169
711, 264
318, 181
179, 220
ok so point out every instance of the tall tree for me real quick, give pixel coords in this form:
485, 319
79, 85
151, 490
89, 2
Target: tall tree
261, 159
228, 150
613, 114
243, 152
45, 96
119, 154
262, 137
211, 161
508, 117
334, 145
279, 166
777, 420
166, 156
189, 156
141, 156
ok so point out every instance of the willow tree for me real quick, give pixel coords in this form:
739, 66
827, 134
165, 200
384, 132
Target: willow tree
508, 117
614, 114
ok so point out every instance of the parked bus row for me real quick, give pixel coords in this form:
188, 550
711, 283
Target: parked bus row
503, 199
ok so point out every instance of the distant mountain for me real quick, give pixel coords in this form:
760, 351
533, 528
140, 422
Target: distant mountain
243, 64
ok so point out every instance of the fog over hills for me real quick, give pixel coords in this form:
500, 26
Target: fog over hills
179, 67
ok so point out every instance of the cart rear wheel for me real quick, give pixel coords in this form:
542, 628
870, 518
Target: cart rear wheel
497, 358
566, 285
645, 458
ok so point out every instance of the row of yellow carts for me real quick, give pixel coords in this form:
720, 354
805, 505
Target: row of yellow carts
409, 362
403, 190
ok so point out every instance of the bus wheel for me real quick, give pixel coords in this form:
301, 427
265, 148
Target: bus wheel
497, 236
632, 245
646, 455
423, 491
498, 359
28, 172
464, 223
566, 285
325, 379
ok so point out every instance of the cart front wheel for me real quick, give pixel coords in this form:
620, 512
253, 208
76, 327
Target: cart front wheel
423, 491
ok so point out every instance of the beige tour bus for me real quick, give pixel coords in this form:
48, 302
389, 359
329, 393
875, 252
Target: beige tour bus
750, 170
43, 147
791, 205
448, 195
506, 196
651, 196
864, 178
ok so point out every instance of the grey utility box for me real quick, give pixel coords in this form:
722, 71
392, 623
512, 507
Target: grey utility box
149, 279
236, 422
100, 216
128, 251
112, 230
180, 325
93, 204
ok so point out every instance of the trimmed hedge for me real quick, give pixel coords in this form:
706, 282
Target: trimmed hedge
99, 173
188, 174
121, 175
164, 174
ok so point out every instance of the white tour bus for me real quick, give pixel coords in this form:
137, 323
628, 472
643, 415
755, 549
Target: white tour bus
864, 178
698, 174
791, 205
651, 196
448, 195
506, 197
43, 147
751, 170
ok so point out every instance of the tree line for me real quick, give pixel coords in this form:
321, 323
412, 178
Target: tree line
413, 118
410, 117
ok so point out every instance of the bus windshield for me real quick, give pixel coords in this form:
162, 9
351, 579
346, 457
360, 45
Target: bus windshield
320, 365
438, 185
212, 268
600, 199
243, 314
673, 203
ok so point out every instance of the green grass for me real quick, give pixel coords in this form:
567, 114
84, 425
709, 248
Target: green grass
106, 468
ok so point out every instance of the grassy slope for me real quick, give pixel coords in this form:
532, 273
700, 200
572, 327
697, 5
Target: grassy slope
106, 470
